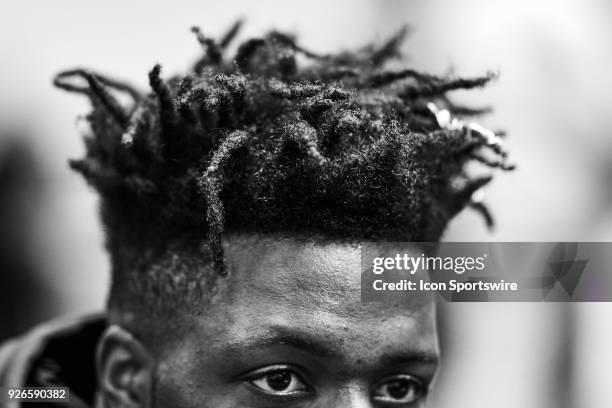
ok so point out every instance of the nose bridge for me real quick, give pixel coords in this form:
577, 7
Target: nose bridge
353, 395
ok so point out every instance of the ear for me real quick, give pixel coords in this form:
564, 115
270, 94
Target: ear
125, 370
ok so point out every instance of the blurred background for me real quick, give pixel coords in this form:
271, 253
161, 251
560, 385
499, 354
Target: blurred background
554, 98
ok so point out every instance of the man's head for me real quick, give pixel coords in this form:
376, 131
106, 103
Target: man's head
287, 328
281, 169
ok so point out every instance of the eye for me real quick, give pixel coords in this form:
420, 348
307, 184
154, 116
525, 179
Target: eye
278, 380
400, 389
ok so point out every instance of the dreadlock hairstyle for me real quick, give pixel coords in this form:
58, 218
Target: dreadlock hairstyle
280, 139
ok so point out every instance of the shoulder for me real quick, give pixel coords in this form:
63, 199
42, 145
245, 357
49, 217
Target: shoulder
19, 356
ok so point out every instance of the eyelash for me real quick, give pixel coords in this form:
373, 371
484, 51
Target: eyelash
422, 388
262, 373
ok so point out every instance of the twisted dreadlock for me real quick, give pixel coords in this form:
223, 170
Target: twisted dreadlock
338, 147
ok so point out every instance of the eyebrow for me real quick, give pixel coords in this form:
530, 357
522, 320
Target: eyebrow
276, 336
281, 336
416, 356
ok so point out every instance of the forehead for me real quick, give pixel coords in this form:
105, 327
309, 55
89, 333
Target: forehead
308, 286
305, 274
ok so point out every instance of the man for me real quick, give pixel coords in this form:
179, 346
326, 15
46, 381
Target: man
235, 201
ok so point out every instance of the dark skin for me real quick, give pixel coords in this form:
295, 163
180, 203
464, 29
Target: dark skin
286, 328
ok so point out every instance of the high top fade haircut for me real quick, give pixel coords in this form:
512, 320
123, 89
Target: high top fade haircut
276, 139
